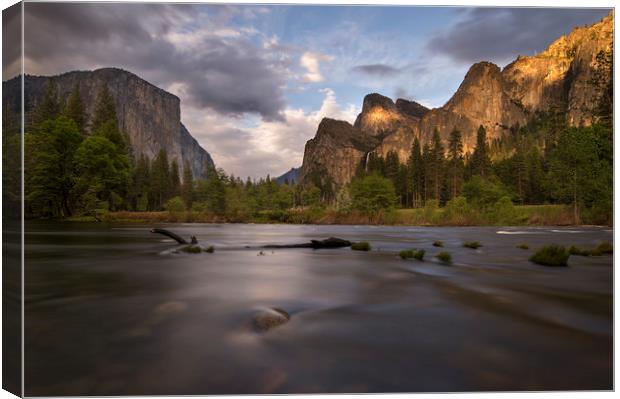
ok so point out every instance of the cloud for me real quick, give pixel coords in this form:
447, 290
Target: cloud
219, 65
246, 147
376, 70
498, 34
311, 62
11, 42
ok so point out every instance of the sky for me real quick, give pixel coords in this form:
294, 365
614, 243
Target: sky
255, 80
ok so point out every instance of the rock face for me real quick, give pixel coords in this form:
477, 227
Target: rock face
558, 79
292, 176
150, 116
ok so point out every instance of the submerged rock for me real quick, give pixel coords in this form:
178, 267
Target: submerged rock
268, 318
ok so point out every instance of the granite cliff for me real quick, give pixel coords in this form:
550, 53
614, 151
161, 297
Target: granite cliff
558, 79
150, 116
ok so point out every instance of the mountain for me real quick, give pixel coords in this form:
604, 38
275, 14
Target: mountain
292, 176
557, 79
150, 116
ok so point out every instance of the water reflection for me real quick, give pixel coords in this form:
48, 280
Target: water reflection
109, 310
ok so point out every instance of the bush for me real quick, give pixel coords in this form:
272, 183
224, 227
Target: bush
523, 246
200, 207
444, 257
175, 204
360, 246
438, 244
573, 250
372, 193
551, 255
192, 249
412, 253
604, 248
503, 211
472, 244
210, 250
484, 193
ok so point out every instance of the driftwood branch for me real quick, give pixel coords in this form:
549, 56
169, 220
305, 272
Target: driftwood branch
331, 242
174, 236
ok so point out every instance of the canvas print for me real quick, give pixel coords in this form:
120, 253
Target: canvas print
207, 199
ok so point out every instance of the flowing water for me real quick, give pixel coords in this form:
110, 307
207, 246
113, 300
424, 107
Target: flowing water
112, 309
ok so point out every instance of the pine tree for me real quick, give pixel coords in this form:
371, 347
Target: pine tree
455, 161
47, 109
105, 109
175, 179
160, 179
141, 183
187, 187
415, 165
75, 109
480, 159
437, 164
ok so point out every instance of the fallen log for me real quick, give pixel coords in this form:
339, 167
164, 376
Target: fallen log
331, 242
174, 236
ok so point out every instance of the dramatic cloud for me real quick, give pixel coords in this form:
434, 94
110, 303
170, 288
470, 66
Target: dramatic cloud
498, 34
376, 70
257, 148
219, 66
11, 41
311, 62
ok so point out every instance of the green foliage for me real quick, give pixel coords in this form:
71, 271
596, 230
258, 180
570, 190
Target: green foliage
192, 249
523, 246
210, 249
360, 246
187, 187
552, 255
444, 257
472, 244
573, 250
480, 160
438, 243
372, 193
175, 204
75, 109
484, 193
412, 253
604, 248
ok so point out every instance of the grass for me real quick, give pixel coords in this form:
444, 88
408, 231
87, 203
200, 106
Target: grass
360, 246
438, 244
551, 255
524, 215
412, 253
192, 249
523, 246
472, 244
604, 248
445, 257
573, 250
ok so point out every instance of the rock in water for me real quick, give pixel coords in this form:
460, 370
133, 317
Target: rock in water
268, 318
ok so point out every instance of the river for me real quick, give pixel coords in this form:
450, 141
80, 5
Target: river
113, 310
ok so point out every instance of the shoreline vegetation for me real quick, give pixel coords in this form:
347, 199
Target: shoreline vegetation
521, 215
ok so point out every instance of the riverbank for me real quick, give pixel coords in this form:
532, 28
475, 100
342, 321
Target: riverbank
520, 215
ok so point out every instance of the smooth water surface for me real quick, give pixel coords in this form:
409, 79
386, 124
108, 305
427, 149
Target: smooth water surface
112, 309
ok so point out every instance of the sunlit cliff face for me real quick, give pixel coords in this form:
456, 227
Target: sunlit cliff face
379, 118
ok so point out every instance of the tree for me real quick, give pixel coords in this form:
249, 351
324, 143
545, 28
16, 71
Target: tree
480, 160
484, 193
175, 179
455, 162
105, 109
160, 179
52, 175
75, 109
372, 193
187, 187
102, 170
47, 109
141, 183
415, 165
436, 165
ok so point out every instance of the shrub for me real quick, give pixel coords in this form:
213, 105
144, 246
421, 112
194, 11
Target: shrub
372, 193
199, 207
551, 255
604, 248
472, 244
192, 249
573, 250
360, 246
412, 253
210, 249
175, 204
523, 246
438, 244
444, 257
